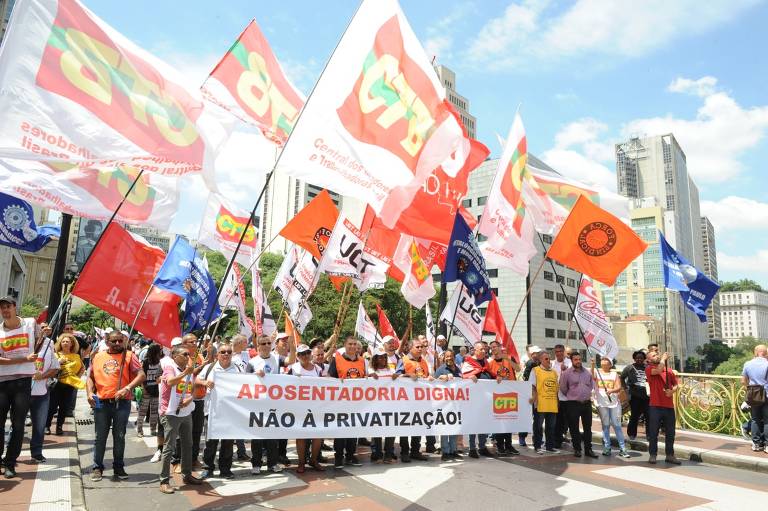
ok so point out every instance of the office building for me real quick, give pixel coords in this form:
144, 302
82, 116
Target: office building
6, 6
656, 167
153, 236
448, 79
743, 313
710, 270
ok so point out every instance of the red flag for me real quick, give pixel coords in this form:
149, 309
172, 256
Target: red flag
385, 327
494, 322
117, 277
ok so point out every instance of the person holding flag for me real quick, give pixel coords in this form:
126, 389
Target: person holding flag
347, 365
415, 366
663, 384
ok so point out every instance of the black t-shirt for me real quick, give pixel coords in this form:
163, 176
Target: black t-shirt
153, 372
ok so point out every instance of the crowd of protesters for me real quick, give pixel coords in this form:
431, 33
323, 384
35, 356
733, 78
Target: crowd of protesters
171, 388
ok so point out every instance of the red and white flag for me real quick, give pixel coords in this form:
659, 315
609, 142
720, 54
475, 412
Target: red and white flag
265, 322
364, 327
221, 229
494, 322
418, 286
295, 282
591, 318
76, 91
378, 122
385, 327
346, 255
233, 296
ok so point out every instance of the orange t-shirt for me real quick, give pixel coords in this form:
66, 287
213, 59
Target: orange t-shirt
418, 367
106, 370
349, 369
501, 368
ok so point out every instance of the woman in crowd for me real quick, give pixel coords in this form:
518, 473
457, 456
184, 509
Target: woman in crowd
149, 402
380, 368
448, 371
64, 393
306, 367
607, 388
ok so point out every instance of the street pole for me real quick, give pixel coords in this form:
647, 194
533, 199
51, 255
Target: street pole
59, 268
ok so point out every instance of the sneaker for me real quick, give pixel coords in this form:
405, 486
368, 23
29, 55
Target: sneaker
256, 470
156, 457
522, 443
167, 488
756, 447
284, 460
364, 441
10, 472
276, 469
577, 454
339, 464
766, 448
326, 447
140, 434
652, 459
96, 474
446, 457
512, 450
353, 461
190, 479
243, 457
205, 474
540, 451
39, 458
672, 460
590, 454
623, 454
456, 456
119, 473
553, 451
227, 475
430, 449
485, 452
47, 431
606, 452
419, 457
473, 453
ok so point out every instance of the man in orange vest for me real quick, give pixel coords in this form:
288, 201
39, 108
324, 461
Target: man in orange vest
113, 376
347, 365
415, 365
502, 368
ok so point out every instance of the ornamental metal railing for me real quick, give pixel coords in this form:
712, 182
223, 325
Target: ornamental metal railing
711, 403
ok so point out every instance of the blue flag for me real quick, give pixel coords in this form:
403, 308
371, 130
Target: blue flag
466, 263
17, 226
201, 297
174, 274
696, 289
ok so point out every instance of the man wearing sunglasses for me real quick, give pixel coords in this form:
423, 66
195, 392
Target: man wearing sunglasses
223, 364
113, 376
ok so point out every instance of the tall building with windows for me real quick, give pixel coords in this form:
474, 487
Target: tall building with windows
744, 313
448, 79
710, 270
6, 6
656, 167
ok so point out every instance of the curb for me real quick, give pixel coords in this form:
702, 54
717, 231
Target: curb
712, 457
77, 491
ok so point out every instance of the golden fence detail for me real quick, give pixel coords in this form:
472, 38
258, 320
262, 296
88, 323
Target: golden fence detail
711, 403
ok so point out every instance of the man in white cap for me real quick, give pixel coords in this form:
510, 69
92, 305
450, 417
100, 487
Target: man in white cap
442, 344
390, 347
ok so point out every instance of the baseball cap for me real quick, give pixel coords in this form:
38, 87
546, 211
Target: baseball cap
535, 349
176, 341
379, 351
440, 337
8, 299
302, 348
281, 335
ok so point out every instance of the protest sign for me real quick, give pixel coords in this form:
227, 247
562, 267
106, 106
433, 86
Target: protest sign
281, 406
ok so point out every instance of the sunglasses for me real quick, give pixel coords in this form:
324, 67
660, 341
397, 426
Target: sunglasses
265, 344
185, 355
223, 352
305, 353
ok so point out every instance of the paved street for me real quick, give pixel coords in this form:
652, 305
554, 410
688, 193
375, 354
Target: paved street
530, 481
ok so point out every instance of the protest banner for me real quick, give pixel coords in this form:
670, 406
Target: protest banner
281, 406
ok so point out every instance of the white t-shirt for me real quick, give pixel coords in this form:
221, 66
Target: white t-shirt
18, 343
270, 365
207, 374
557, 366
382, 373
298, 370
611, 381
46, 360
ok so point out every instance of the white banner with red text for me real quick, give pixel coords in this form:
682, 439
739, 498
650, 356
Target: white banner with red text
282, 406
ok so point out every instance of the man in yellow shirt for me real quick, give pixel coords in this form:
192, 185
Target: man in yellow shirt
543, 381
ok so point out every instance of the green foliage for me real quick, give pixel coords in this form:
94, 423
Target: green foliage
31, 308
88, 316
693, 364
715, 352
741, 285
742, 352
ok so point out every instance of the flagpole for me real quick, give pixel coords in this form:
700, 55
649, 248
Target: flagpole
279, 157
570, 306
527, 293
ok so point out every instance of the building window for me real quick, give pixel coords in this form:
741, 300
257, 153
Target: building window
481, 201
548, 275
549, 332
561, 334
560, 279
493, 273
549, 295
560, 297
572, 334
495, 290
549, 314
572, 282
467, 203
561, 315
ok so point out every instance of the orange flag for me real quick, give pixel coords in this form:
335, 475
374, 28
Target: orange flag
494, 322
595, 243
312, 226
291, 330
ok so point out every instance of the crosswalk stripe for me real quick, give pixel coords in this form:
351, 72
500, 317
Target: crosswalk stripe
51, 491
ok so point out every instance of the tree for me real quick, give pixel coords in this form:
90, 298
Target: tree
31, 308
87, 317
741, 285
715, 352
692, 365
742, 352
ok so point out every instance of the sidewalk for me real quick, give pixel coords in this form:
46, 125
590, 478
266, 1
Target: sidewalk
724, 450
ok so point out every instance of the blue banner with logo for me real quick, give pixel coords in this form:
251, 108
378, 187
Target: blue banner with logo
17, 226
466, 263
696, 289
201, 297
174, 274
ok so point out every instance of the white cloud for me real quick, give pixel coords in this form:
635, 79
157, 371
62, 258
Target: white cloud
713, 141
749, 266
736, 213
575, 165
703, 87
439, 41
538, 29
302, 75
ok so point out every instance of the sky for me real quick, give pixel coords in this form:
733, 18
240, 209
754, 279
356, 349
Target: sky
586, 75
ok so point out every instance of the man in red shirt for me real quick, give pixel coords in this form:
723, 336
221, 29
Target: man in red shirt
663, 385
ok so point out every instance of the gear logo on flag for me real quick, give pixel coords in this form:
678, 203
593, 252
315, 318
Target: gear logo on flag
321, 238
597, 239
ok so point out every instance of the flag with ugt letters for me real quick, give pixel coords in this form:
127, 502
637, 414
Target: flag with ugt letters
74, 90
378, 122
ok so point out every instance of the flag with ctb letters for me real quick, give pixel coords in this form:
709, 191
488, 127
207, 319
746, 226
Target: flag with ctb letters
596, 243
222, 227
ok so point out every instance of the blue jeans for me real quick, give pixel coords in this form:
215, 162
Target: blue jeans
38, 410
611, 417
448, 444
548, 421
658, 415
114, 415
482, 439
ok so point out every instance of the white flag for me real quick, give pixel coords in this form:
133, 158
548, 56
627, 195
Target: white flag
462, 312
346, 255
365, 328
221, 228
430, 324
265, 323
377, 123
73, 90
295, 281
591, 318
418, 286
